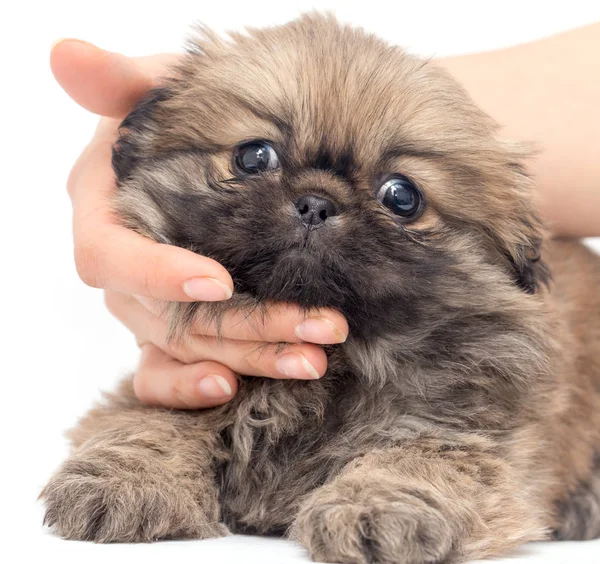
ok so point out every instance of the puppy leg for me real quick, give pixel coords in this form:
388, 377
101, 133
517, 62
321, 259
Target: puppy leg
138, 476
429, 501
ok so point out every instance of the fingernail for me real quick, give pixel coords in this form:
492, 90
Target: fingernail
295, 365
320, 330
206, 289
214, 386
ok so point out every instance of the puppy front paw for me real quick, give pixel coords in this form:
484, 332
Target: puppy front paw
367, 524
103, 497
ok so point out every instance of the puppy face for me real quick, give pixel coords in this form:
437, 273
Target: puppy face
323, 167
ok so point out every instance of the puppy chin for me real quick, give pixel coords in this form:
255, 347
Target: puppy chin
296, 276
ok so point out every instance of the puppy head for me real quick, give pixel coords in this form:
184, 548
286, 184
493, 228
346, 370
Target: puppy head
323, 167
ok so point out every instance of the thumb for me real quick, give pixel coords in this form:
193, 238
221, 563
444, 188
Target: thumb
102, 82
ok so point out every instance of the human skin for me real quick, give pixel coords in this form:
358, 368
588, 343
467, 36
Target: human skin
545, 92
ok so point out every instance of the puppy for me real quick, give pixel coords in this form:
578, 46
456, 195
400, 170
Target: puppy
461, 418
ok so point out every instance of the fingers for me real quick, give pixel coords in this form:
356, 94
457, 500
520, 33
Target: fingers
102, 82
163, 381
108, 255
281, 323
302, 361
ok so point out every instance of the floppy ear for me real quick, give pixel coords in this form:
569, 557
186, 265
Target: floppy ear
137, 131
516, 227
530, 270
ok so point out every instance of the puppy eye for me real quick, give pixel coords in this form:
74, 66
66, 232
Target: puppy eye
401, 196
256, 157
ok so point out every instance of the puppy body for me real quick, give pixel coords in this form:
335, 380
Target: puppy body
462, 415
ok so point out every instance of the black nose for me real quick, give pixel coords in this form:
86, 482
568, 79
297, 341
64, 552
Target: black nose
314, 210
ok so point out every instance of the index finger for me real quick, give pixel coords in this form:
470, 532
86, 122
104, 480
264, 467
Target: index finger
105, 83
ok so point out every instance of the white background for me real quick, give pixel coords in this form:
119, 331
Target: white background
59, 346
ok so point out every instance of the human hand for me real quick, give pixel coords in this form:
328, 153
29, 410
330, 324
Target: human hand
136, 273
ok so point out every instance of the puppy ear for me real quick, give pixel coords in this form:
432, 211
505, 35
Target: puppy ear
137, 131
516, 227
530, 271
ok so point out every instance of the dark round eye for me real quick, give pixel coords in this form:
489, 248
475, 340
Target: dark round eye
401, 196
256, 157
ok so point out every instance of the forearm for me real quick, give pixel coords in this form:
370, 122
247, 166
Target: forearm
548, 93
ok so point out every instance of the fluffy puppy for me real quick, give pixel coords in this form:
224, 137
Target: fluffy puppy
323, 167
